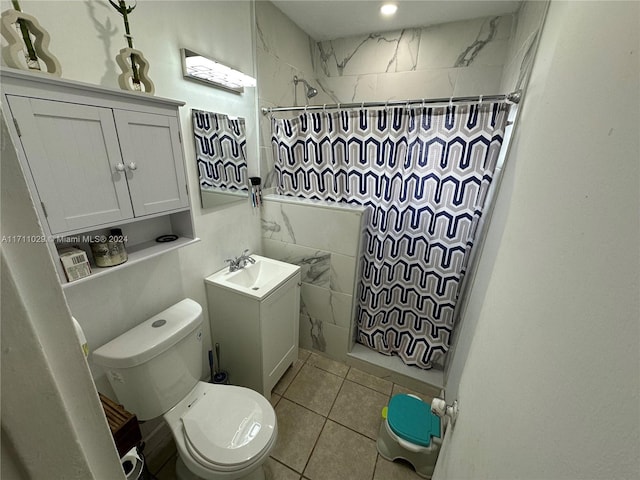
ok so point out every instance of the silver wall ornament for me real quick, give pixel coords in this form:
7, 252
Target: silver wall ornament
134, 66
27, 42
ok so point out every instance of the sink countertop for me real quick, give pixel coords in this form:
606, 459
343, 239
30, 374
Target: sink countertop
256, 280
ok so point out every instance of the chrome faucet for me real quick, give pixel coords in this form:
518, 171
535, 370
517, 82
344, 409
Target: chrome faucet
240, 262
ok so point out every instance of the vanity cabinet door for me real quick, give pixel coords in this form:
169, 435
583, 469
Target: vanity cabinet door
152, 155
74, 157
279, 324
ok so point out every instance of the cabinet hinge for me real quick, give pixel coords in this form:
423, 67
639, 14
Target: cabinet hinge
180, 137
44, 209
15, 122
186, 187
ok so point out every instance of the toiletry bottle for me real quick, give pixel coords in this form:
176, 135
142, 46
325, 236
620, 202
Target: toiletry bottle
116, 247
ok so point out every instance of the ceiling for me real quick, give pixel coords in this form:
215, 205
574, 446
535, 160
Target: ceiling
331, 19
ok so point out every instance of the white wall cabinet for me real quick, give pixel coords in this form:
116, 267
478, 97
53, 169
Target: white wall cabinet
258, 337
98, 158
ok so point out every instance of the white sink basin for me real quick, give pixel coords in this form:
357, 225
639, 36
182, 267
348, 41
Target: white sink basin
257, 279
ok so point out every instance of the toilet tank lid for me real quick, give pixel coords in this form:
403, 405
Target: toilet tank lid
152, 337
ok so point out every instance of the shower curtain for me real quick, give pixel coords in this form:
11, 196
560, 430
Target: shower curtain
221, 145
423, 174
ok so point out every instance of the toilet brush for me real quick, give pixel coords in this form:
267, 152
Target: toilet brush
211, 365
219, 376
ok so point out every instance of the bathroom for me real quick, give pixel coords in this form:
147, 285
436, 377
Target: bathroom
502, 342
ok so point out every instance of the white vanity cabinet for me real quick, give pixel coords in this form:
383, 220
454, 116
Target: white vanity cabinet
97, 158
258, 336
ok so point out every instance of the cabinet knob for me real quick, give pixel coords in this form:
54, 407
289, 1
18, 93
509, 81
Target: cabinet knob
132, 166
120, 167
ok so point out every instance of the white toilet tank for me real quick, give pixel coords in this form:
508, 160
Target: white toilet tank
155, 364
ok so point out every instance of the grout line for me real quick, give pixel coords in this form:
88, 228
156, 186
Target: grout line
326, 419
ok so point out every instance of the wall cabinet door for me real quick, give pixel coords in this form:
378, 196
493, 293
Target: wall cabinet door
73, 155
151, 151
94, 166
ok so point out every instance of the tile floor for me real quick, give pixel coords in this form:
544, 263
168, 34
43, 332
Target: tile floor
328, 420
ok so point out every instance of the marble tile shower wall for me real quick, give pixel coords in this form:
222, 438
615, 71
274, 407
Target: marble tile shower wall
458, 58
324, 241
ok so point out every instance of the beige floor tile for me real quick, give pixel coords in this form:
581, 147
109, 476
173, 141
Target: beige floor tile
425, 397
303, 354
341, 454
337, 368
376, 383
157, 459
386, 470
288, 377
315, 389
298, 431
359, 408
168, 471
275, 398
274, 470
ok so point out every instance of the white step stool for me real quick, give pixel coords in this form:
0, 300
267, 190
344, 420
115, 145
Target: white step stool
410, 431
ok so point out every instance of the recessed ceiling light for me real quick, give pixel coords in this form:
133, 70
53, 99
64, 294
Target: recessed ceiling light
388, 9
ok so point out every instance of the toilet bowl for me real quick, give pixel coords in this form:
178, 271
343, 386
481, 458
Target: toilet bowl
222, 432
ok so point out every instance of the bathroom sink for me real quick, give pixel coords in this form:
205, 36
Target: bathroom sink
257, 279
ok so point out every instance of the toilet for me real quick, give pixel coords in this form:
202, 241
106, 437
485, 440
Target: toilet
411, 432
155, 369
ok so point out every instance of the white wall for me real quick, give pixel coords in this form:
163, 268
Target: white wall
550, 387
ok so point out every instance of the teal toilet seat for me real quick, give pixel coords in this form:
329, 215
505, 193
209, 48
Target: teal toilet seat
411, 419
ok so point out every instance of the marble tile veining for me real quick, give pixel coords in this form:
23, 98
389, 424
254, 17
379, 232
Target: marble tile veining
486, 35
326, 305
298, 223
315, 265
373, 53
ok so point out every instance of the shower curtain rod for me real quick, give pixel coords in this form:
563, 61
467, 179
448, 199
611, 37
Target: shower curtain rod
513, 97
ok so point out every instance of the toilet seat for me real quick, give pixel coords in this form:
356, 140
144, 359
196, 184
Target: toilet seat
224, 428
411, 420
411, 432
228, 430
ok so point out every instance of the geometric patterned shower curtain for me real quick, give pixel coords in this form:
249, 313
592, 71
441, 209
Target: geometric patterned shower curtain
221, 145
424, 174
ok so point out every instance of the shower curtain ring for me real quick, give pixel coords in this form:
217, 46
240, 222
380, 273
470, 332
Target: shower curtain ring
451, 103
480, 100
324, 108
